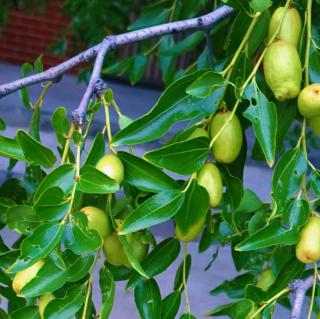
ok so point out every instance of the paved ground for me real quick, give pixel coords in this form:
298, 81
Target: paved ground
135, 102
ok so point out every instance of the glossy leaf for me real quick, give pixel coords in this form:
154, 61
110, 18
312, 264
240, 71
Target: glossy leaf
171, 305
148, 299
107, 290
34, 151
185, 266
137, 68
10, 148
296, 213
174, 105
235, 310
144, 175
97, 150
184, 157
273, 234
93, 181
153, 211
30, 312
60, 124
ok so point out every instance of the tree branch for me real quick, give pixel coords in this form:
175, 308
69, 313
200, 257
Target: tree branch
299, 287
101, 49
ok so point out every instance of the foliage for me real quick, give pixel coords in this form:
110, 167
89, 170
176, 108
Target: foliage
43, 208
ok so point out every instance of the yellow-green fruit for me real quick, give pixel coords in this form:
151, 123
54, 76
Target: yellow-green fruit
43, 302
198, 132
209, 177
266, 279
314, 123
112, 166
282, 70
139, 248
227, 146
192, 232
98, 220
290, 28
23, 277
308, 247
309, 101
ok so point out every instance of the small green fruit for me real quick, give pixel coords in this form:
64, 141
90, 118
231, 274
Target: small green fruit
192, 232
140, 249
308, 247
266, 279
112, 166
23, 277
43, 302
309, 101
314, 123
290, 28
227, 146
198, 132
98, 220
209, 177
282, 70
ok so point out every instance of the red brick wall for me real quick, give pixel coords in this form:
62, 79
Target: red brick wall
27, 35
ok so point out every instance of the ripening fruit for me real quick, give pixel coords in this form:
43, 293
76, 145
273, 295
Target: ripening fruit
314, 123
139, 248
290, 28
309, 100
198, 132
192, 231
43, 302
227, 146
23, 277
308, 247
98, 220
266, 279
209, 177
282, 70
112, 166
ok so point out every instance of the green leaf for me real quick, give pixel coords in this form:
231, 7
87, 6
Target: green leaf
153, 211
315, 181
124, 121
2, 124
296, 213
314, 69
206, 84
34, 151
287, 175
174, 105
185, 45
67, 306
137, 68
62, 177
143, 175
235, 310
60, 124
148, 299
77, 266
30, 312
37, 64
194, 209
97, 150
273, 234
39, 245
188, 316
78, 237
182, 271
159, 259
171, 305
93, 181
166, 63
107, 290
10, 148
263, 116
184, 157
255, 294
26, 69
260, 5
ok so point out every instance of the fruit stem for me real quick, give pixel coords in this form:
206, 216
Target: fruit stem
185, 255
108, 125
67, 145
306, 62
315, 278
85, 307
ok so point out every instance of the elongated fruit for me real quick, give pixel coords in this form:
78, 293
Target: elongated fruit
43, 303
209, 177
198, 132
291, 25
308, 247
23, 277
112, 166
192, 232
314, 123
98, 220
266, 279
227, 146
282, 70
309, 100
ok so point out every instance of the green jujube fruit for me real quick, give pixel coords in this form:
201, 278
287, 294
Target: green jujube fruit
266, 279
291, 25
192, 232
98, 220
209, 177
309, 100
198, 132
112, 166
308, 247
314, 123
282, 70
227, 146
